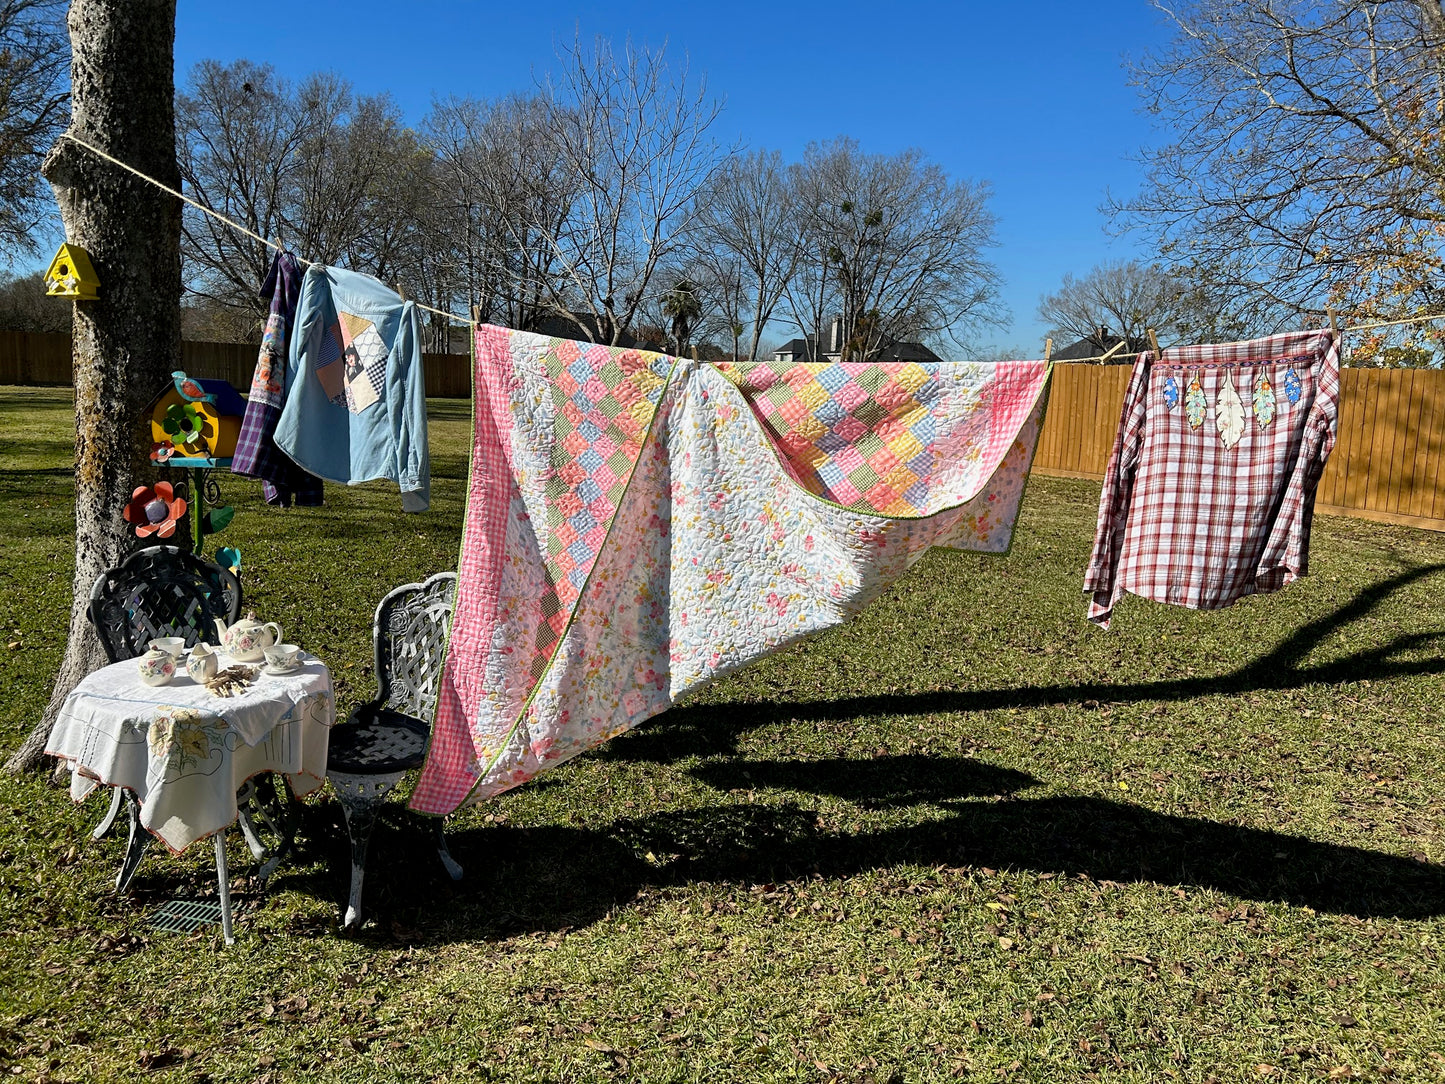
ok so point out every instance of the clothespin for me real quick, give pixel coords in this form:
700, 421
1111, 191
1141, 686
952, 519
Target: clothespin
694, 352
1048, 349
1154, 344
476, 314
1334, 323
400, 291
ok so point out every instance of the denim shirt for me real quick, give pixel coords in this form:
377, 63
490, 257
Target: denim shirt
355, 395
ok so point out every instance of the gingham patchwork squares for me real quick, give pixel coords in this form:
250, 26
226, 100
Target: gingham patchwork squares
870, 421
603, 400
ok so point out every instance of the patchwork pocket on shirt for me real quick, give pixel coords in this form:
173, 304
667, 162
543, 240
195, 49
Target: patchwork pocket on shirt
351, 363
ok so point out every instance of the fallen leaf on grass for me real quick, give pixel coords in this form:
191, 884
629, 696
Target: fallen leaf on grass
152, 1060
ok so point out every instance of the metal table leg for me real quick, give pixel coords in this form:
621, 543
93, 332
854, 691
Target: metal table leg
225, 885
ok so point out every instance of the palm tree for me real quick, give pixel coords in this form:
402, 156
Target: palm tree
684, 306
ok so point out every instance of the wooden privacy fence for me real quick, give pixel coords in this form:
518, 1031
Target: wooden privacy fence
1388, 464
44, 358
1389, 459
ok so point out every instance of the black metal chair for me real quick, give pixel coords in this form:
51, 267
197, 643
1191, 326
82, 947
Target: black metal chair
385, 738
161, 591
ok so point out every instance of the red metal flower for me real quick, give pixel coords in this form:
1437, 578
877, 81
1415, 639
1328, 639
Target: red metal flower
154, 511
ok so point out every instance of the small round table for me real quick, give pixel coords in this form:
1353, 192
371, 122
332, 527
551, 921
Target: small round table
182, 753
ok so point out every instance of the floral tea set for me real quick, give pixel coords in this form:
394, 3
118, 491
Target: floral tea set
247, 640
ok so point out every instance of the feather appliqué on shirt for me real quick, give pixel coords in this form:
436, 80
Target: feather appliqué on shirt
1229, 413
1263, 401
1171, 393
1194, 403
1292, 385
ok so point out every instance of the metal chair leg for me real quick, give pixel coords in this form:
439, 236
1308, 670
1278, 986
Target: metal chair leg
361, 797
117, 795
454, 869
244, 799
135, 846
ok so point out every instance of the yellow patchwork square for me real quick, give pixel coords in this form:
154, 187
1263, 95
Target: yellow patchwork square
905, 446
900, 478
641, 412
912, 376
813, 394
810, 428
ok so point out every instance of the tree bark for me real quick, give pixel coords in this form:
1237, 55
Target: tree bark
127, 341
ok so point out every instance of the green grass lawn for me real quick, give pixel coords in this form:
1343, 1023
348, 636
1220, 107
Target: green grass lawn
968, 836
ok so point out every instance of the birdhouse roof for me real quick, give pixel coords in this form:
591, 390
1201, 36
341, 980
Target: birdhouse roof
228, 399
79, 262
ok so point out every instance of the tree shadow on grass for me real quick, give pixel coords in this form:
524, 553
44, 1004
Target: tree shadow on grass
714, 729
522, 881
1100, 839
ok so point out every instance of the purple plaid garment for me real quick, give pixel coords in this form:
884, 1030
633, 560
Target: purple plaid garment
256, 453
1195, 512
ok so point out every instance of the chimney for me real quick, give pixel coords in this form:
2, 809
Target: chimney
835, 336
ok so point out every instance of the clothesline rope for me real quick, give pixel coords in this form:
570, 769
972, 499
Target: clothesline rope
1343, 331
470, 323
217, 215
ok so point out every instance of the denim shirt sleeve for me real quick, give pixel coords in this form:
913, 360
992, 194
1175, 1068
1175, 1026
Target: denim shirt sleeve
413, 466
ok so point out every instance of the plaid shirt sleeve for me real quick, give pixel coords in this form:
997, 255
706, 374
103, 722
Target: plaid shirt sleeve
1100, 578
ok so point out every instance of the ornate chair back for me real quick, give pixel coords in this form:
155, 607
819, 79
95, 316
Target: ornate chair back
410, 638
161, 591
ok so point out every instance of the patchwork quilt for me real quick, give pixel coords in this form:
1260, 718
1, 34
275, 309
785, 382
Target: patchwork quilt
638, 525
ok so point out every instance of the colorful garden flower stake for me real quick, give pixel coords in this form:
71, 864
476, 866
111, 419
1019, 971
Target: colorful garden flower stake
162, 450
1194, 403
154, 511
1263, 401
1171, 393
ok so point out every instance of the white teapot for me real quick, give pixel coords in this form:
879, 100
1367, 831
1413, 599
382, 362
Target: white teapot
248, 639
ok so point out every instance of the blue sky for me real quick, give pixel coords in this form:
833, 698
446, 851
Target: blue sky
1032, 98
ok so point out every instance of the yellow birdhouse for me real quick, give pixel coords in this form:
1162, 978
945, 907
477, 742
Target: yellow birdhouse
197, 417
71, 275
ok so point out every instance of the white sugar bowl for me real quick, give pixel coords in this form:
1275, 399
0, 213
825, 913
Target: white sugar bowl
157, 667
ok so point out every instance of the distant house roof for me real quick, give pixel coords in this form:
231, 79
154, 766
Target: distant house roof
901, 351
1094, 346
798, 349
892, 350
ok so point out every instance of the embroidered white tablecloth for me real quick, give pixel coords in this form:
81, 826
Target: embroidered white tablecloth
184, 751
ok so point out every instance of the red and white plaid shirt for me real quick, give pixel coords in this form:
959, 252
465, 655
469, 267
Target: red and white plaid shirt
1196, 512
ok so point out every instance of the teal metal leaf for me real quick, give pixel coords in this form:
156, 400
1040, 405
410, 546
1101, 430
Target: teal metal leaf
217, 518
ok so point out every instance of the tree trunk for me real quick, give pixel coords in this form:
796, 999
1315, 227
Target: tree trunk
127, 341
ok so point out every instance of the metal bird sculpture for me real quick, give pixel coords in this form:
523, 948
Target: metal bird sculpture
191, 391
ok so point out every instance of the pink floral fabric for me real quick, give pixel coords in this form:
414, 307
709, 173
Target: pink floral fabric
635, 529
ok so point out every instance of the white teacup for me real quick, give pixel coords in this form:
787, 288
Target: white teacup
173, 645
283, 657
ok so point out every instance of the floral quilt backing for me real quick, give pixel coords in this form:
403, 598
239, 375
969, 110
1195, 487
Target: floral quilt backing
639, 525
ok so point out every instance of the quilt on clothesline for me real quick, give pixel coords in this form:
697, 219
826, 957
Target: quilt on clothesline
638, 525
